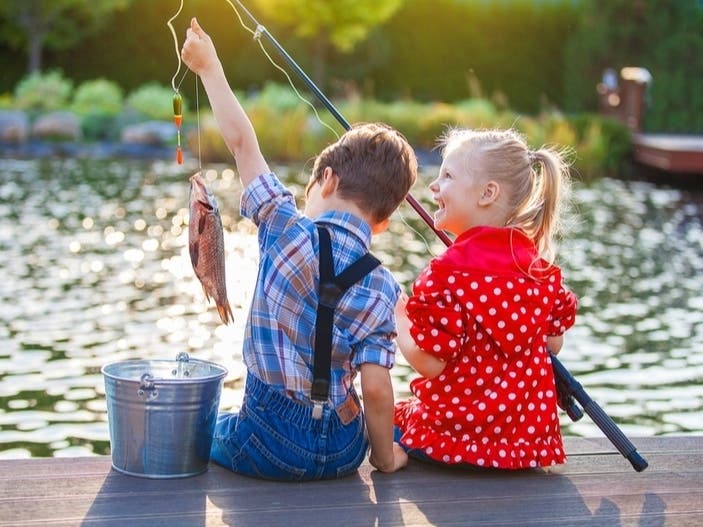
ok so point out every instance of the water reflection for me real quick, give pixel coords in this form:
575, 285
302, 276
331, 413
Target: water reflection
96, 269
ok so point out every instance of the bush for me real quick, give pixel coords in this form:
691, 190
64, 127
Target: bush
207, 142
43, 91
277, 97
6, 102
98, 96
478, 112
153, 100
98, 102
98, 126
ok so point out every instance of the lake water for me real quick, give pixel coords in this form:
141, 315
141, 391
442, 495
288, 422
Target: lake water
95, 269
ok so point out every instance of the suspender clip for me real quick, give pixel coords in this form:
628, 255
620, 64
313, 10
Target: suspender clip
319, 393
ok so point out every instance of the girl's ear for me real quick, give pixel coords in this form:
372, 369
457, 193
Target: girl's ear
328, 182
490, 193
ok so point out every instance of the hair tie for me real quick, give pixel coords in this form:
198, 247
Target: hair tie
532, 157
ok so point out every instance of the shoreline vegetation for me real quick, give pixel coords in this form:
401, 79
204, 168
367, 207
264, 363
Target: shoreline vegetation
46, 117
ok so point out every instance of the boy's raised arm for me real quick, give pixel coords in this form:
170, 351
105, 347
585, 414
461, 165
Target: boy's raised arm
200, 56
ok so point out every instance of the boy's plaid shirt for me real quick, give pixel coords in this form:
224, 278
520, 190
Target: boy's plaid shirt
279, 336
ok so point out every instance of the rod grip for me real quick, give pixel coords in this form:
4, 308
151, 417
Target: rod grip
599, 417
615, 435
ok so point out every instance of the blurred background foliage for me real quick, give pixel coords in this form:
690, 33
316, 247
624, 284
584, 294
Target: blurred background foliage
525, 53
417, 64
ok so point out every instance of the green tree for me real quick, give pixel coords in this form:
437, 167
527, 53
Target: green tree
664, 36
33, 25
339, 23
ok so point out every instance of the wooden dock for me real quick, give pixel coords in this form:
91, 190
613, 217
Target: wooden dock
679, 154
597, 487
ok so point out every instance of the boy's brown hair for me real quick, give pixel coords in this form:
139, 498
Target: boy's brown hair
376, 168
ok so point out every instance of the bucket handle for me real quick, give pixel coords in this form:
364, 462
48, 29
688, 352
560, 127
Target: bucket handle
181, 371
146, 385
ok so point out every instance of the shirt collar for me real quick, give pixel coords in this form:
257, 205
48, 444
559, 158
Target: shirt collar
346, 220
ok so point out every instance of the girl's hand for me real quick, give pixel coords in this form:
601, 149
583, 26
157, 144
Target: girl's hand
554, 343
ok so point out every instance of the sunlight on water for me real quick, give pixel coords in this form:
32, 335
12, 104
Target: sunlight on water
96, 270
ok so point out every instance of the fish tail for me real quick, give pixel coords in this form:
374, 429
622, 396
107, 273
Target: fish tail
208, 297
225, 312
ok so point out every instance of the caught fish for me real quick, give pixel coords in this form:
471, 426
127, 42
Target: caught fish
207, 247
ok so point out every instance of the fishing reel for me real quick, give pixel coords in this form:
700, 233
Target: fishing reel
566, 401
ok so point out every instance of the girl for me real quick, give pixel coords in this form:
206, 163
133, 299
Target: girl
484, 314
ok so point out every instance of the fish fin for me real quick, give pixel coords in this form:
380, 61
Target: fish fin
225, 312
201, 223
193, 249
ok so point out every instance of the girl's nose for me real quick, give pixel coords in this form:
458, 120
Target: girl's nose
433, 185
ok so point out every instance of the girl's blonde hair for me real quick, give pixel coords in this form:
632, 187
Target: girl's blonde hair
536, 182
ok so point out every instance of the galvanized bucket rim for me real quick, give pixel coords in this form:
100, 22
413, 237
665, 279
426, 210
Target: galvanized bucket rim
165, 380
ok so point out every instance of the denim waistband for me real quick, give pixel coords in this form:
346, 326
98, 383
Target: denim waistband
295, 412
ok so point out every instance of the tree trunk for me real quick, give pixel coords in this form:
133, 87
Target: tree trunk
35, 46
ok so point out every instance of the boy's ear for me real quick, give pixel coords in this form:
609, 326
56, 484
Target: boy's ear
381, 226
328, 182
490, 193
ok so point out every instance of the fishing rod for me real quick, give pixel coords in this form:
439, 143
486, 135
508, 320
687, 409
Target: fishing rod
568, 388
261, 30
571, 387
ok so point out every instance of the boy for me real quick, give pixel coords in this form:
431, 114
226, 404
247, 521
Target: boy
284, 431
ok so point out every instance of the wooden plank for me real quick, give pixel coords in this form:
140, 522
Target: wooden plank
596, 487
671, 153
675, 143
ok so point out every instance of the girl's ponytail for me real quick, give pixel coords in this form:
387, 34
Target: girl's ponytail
541, 212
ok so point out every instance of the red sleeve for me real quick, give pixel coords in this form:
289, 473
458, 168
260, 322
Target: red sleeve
437, 322
564, 312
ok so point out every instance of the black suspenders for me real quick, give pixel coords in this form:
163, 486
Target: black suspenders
331, 290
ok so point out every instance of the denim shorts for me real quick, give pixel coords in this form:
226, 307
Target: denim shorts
275, 437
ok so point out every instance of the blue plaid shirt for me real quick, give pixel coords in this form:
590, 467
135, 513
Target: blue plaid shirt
280, 333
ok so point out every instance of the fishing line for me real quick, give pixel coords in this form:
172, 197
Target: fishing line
177, 99
197, 120
256, 34
425, 241
169, 23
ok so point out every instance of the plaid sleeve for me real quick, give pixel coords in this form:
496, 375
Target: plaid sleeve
378, 347
265, 196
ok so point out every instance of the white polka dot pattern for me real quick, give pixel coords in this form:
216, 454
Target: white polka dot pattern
475, 309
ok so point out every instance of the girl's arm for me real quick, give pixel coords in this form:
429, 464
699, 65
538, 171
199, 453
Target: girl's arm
422, 362
200, 56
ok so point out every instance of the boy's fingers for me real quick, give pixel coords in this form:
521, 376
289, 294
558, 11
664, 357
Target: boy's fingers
196, 27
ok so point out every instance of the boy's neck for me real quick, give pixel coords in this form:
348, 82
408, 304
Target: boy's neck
334, 203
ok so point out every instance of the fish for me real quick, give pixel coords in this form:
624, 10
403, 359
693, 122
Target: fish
207, 247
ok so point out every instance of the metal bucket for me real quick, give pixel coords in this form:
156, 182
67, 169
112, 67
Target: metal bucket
161, 415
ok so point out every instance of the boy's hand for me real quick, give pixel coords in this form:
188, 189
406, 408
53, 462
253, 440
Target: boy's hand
198, 51
400, 460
